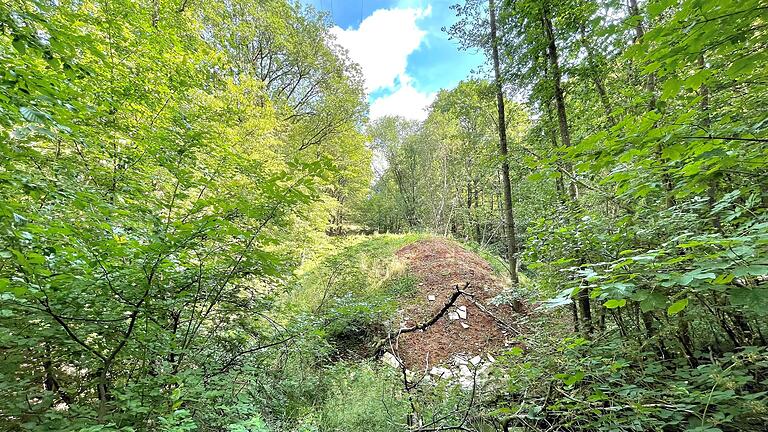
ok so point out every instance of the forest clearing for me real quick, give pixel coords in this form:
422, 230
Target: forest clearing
390, 215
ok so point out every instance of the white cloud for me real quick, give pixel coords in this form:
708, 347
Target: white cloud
382, 44
406, 102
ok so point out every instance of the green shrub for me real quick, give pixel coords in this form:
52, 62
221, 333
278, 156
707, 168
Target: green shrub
363, 397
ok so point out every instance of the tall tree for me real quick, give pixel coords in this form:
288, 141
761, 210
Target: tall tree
509, 215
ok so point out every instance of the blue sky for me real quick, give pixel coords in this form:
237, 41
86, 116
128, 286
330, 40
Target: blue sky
404, 55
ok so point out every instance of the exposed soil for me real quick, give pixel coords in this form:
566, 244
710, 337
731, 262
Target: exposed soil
440, 266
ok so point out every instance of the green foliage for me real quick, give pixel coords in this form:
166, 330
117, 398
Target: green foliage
363, 397
357, 266
647, 136
169, 172
154, 186
602, 386
440, 174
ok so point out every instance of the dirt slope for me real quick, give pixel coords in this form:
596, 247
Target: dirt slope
440, 265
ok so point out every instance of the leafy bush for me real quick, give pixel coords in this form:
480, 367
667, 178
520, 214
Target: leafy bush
363, 397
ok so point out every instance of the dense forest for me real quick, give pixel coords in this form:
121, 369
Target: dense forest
201, 227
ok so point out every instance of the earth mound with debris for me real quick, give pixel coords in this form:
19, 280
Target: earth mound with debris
456, 327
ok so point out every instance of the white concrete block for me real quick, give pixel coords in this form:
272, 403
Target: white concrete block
441, 372
389, 359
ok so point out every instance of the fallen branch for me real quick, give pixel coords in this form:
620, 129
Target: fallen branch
378, 349
497, 319
443, 310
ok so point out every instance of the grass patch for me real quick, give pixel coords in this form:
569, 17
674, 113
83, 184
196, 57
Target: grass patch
358, 266
350, 291
360, 399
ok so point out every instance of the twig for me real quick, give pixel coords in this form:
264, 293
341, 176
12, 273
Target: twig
459, 291
442, 311
489, 313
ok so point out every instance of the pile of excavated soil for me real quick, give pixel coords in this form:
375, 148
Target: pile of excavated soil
440, 266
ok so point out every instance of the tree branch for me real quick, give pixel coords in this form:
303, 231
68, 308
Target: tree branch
443, 310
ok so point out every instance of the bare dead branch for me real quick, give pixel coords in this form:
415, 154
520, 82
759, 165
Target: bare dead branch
443, 310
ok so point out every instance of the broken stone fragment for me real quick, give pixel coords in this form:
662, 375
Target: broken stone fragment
453, 316
467, 382
475, 360
462, 312
464, 325
389, 359
431, 298
491, 359
464, 371
410, 375
441, 372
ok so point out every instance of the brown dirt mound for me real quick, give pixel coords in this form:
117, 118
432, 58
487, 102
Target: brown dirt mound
441, 265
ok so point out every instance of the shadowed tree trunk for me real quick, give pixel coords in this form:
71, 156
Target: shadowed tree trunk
562, 117
597, 80
506, 185
650, 88
565, 138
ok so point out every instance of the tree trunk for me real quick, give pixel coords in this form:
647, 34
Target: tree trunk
634, 11
102, 389
596, 79
565, 139
507, 186
650, 88
470, 220
586, 311
707, 122
562, 117
560, 179
684, 336
575, 316
476, 218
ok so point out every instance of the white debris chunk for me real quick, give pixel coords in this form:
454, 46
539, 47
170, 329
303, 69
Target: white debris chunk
464, 325
431, 298
389, 359
462, 312
464, 371
491, 359
475, 360
410, 375
441, 372
466, 383
453, 316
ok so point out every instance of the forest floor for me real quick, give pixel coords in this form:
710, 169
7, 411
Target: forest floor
472, 326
